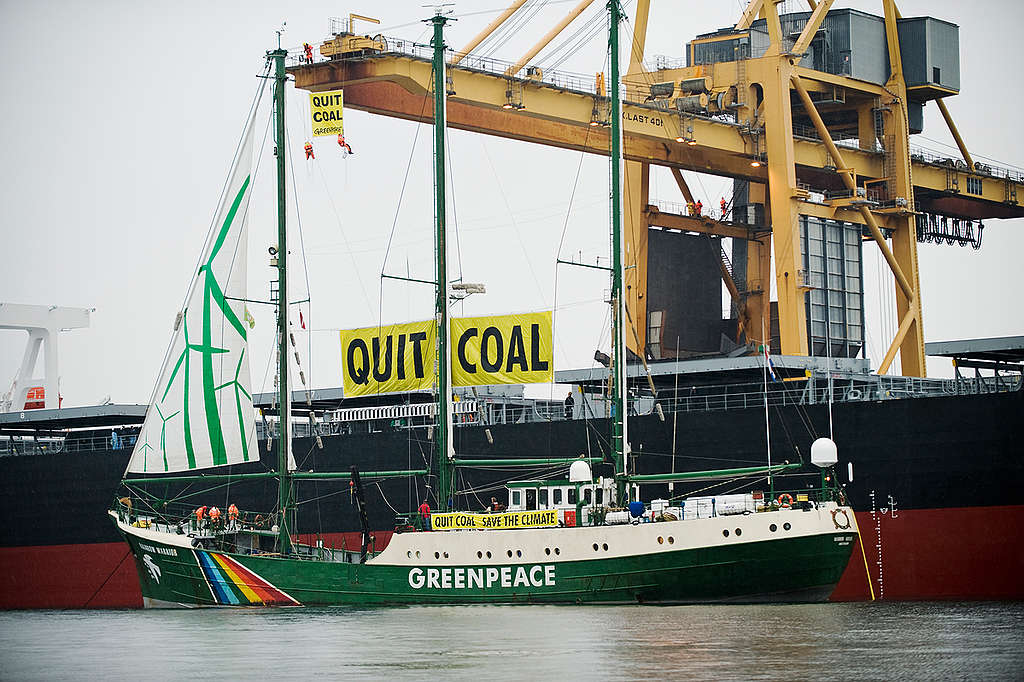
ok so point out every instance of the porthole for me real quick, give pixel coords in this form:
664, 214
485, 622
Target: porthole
773, 528
739, 532
488, 554
786, 526
547, 550
437, 555
661, 540
446, 553
409, 554
671, 539
510, 554
417, 554
519, 553
557, 551
605, 546
479, 555
725, 532
595, 546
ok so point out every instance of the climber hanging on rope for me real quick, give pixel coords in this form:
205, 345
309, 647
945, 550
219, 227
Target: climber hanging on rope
309, 151
308, 49
344, 145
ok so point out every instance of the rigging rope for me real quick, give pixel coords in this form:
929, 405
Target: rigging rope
455, 214
512, 25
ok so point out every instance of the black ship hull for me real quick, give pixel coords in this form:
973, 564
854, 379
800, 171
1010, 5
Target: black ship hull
936, 481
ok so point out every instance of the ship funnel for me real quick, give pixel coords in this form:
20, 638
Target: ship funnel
824, 453
579, 472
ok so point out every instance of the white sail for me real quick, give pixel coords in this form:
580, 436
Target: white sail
201, 413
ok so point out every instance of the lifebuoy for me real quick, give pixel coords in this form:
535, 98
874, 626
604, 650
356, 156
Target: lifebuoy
785, 500
845, 524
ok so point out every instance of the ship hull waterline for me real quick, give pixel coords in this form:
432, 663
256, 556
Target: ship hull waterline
659, 563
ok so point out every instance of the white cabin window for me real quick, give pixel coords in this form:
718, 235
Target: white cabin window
516, 497
557, 494
542, 498
587, 496
571, 496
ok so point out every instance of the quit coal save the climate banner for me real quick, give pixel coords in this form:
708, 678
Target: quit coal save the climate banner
504, 349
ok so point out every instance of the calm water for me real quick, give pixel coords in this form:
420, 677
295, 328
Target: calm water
914, 641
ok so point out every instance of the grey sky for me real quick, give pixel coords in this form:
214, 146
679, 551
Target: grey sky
120, 119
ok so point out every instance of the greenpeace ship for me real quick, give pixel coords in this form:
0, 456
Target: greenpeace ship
928, 464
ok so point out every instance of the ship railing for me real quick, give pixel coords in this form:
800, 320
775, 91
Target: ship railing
176, 515
55, 445
181, 519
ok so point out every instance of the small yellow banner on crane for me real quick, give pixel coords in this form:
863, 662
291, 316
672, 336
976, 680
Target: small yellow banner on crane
326, 109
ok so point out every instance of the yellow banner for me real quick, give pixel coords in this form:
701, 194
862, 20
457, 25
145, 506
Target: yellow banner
326, 109
461, 520
510, 349
503, 349
399, 357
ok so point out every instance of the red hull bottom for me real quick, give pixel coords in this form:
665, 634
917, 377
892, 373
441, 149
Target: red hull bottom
970, 553
100, 575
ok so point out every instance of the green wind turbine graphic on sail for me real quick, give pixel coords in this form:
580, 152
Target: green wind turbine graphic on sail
198, 423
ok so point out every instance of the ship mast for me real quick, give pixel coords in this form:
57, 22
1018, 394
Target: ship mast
620, 440
445, 452
284, 501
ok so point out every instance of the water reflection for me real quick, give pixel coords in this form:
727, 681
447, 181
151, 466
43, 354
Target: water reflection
834, 641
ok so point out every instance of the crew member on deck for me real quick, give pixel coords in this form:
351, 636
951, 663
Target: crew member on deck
200, 516
425, 515
308, 49
569, 402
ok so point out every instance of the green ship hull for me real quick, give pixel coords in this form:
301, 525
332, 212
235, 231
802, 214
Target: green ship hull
669, 562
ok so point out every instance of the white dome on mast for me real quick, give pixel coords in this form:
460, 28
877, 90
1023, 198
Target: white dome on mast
824, 452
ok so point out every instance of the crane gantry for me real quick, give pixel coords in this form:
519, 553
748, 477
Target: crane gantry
828, 144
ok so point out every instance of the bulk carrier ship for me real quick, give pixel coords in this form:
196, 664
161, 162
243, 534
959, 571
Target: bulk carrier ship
933, 461
927, 463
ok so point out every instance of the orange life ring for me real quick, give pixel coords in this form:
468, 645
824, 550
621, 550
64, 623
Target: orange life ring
785, 500
846, 519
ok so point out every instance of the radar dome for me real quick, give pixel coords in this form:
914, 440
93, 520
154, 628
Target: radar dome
579, 472
824, 453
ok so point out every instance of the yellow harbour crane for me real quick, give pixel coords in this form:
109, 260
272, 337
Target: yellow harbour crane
810, 113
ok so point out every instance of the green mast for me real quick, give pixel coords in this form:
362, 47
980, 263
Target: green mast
444, 451
620, 440
284, 494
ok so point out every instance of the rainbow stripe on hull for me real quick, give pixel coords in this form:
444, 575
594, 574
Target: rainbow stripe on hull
232, 584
